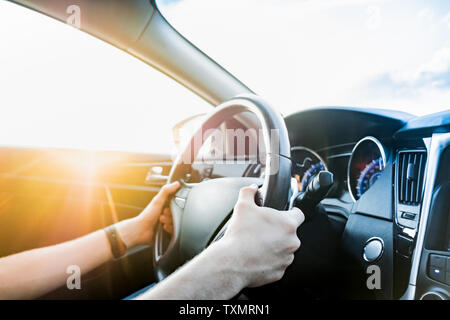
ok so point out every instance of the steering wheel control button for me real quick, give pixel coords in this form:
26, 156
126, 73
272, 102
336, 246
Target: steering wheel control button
180, 202
182, 193
373, 250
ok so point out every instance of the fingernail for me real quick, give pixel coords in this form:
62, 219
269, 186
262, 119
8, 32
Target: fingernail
254, 186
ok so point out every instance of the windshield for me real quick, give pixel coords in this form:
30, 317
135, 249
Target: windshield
299, 54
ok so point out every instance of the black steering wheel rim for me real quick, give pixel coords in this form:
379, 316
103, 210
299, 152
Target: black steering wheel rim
274, 191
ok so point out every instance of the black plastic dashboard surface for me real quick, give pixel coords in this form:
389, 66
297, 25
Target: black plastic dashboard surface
331, 126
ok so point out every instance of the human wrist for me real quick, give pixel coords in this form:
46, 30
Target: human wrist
227, 253
130, 232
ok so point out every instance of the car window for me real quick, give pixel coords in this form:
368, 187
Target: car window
61, 87
306, 53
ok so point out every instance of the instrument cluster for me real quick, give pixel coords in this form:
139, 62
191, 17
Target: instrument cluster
365, 165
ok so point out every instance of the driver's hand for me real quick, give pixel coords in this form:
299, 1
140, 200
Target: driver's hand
263, 238
157, 210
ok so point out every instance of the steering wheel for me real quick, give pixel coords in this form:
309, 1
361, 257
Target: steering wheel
201, 211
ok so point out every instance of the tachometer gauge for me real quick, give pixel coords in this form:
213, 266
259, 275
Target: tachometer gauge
366, 164
305, 165
368, 176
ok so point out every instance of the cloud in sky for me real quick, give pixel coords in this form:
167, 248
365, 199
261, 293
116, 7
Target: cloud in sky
323, 52
434, 72
433, 75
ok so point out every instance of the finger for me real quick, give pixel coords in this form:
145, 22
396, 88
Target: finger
298, 215
170, 188
168, 216
168, 228
248, 193
294, 245
166, 191
165, 220
167, 212
168, 224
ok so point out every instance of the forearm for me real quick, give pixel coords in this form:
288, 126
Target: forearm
31, 274
214, 274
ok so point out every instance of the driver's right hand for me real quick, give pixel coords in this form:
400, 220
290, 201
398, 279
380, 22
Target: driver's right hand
264, 239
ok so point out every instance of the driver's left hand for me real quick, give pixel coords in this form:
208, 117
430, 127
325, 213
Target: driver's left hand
157, 210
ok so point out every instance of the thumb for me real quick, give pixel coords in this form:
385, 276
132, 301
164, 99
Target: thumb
248, 193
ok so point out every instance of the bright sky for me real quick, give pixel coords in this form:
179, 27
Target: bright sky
61, 87
298, 54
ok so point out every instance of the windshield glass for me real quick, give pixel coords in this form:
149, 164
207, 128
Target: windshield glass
64, 88
299, 54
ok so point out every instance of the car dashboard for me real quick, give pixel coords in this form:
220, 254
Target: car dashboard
391, 179
391, 176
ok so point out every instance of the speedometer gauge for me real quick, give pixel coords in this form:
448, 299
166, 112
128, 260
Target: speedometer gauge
367, 162
305, 164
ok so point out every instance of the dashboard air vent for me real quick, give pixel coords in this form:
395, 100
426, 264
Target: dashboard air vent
411, 171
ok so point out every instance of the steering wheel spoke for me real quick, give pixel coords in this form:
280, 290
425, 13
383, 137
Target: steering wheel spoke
166, 248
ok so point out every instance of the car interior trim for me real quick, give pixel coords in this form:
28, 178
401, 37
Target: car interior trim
439, 142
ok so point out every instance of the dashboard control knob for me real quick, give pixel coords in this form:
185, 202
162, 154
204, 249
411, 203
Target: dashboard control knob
373, 250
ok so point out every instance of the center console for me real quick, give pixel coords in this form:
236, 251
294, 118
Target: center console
422, 239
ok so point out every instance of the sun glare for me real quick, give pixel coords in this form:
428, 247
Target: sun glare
64, 88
